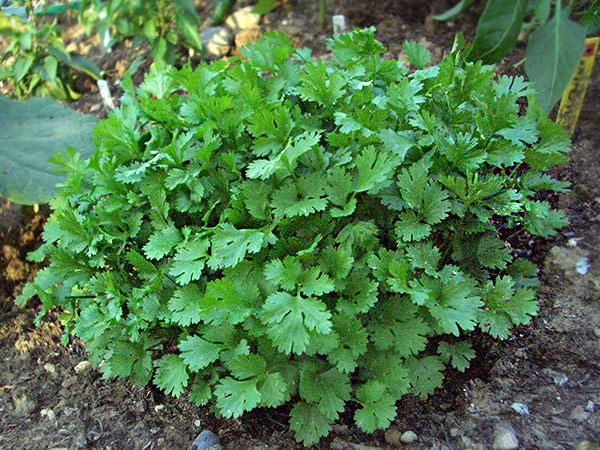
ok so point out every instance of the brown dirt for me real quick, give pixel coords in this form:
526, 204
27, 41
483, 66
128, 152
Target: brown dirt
552, 366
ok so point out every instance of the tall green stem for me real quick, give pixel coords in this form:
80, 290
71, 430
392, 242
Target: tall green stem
322, 8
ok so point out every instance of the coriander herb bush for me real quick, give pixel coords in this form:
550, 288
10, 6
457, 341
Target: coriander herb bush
279, 229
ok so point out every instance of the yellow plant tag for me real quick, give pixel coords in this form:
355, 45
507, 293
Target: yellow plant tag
572, 98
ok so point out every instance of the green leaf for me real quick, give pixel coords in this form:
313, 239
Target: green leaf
189, 261
416, 54
553, 52
461, 6
162, 242
374, 169
353, 340
158, 82
274, 391
308, 423
425, 375
301, 197
187, 25
319, 86
21, 66
234, 397
498, 29
328, 390
31, 131
409, 228
171, 374
230, 245
290, 318
184, 306
84, 65
459, 354
541, 10
543, 221
379, 406
264, 6
198, 353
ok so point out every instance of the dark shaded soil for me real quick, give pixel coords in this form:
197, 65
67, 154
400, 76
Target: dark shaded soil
552, 366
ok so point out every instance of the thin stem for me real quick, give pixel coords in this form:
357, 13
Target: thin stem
322, 8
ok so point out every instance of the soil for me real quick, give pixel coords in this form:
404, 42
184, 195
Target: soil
51, 399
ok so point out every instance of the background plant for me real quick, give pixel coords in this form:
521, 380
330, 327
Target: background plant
279, 229
36, 62
157, 22
32, 131
554, 47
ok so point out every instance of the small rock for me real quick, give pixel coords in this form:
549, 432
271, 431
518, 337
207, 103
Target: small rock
16, 270
205, 440
393, 436
505, 440
244, 37
50, 368
579, 414
83, 366
590, 406
243, 19
582, 266
586, 445
158, 408
216, 40
24, 405
68, 382
48, 413
197, 423
81, 441
597, 332
455, 432
408, 437
520, 408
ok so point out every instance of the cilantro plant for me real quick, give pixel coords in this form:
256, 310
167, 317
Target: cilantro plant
279, 229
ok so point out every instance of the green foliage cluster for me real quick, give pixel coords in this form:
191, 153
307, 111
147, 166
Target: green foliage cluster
282, 229
555, 45
160, 23
36, 62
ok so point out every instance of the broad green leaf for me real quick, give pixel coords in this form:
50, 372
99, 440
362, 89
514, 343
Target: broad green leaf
187, 25
30, 132
84, 65
498, 30
553, 52
21, 66
541, 10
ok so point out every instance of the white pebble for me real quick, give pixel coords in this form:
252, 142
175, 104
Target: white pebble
505, 440
590, 406
520, 408
408, 437
339, 23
